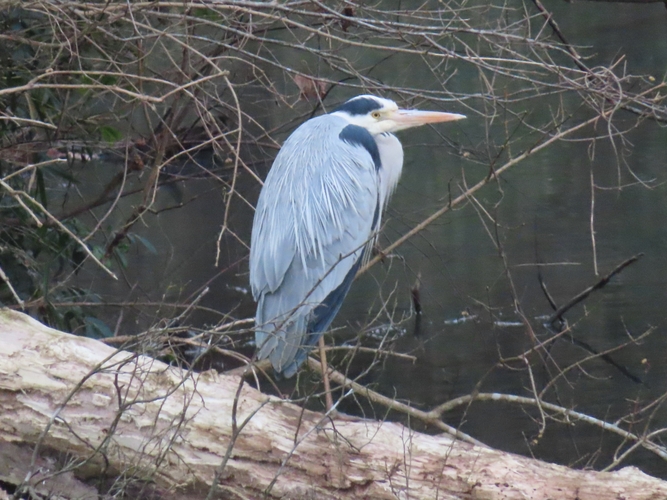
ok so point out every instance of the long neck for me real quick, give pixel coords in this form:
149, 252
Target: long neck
391, 156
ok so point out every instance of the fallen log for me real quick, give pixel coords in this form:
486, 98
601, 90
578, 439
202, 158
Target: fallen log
80, 416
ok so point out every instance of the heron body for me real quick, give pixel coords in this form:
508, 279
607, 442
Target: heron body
316, 219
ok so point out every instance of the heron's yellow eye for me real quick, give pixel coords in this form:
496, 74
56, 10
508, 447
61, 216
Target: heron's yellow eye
376, 115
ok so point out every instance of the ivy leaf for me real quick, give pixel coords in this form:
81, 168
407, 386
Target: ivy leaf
110, 134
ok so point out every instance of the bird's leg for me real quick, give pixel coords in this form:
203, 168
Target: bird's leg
325, 375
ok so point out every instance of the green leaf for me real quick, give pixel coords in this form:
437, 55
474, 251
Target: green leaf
149, 246
120, 252
96, 328
207, 14
86, 80
108, 80
41, 188
98, 251
110, 134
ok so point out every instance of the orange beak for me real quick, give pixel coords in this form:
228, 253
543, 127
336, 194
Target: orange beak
413, 118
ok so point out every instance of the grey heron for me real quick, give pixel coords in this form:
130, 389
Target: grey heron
317, 217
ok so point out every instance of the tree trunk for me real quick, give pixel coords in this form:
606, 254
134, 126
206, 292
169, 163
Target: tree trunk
75, 410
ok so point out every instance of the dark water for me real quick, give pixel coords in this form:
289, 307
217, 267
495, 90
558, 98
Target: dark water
541, 210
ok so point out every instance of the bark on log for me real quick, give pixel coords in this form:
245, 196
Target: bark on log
115, 414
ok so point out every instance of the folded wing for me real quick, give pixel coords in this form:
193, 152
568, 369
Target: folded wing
317, 213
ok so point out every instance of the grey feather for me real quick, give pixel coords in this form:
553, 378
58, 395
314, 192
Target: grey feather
313, 220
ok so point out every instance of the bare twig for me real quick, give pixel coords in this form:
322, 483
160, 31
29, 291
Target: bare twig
585, 293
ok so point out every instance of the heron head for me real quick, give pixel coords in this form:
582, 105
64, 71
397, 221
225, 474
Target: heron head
378, 115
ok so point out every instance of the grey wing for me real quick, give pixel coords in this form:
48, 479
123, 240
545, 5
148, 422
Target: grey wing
314, 219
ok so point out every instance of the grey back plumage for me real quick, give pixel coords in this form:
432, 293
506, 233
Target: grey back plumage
318, 211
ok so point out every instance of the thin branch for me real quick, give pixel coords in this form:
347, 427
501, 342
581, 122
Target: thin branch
585, 293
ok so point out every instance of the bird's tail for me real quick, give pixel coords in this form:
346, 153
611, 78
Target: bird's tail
284, 341
288, 338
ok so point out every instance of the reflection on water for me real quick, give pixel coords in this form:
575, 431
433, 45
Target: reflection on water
479, 270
